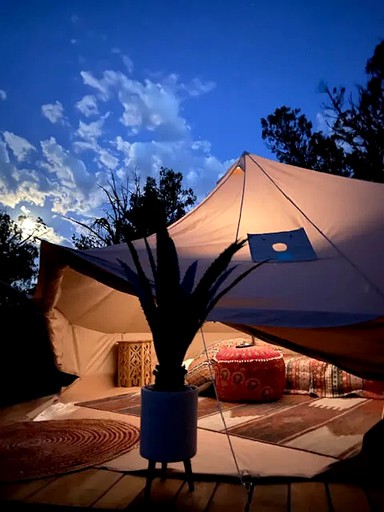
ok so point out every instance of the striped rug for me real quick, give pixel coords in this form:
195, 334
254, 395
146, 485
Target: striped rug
327, 426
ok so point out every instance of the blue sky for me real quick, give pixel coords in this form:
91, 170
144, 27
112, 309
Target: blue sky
90, 87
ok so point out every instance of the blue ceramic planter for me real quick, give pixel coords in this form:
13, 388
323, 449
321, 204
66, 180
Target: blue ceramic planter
168, 429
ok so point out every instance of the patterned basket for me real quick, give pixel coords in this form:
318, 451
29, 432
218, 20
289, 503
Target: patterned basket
134, 363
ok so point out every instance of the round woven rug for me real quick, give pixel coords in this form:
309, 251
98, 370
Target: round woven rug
36, 449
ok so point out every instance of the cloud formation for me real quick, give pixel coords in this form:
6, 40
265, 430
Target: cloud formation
3, 95
19, 146
118, 124
54, 112
88, 106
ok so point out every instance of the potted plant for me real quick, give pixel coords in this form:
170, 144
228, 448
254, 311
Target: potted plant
175, 309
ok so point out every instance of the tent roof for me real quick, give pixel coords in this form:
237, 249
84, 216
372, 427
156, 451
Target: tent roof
343, 220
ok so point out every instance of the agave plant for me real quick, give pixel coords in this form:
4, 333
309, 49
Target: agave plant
177, 308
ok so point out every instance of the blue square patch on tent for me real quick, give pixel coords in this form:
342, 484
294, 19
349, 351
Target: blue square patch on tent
282, 247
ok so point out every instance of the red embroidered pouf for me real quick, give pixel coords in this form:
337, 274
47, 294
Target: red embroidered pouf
249, 373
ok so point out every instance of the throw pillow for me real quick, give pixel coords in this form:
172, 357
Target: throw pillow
297, 375
305, 375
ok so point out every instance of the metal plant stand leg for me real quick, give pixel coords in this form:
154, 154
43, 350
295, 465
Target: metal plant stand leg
150, 477
163, 475
188, 474
163, 471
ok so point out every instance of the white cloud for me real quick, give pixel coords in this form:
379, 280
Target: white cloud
3, 95
122, 145
102, 156
54, 112
60, 183
88, 106
150, 106
107, 159
99, 85
90, 131
133, 114
62, 164
18, 185
4, 155
19, 146
74, 188
149, 130
50, 235
196, 87
81, 145
128, 63
199, 168
28, 191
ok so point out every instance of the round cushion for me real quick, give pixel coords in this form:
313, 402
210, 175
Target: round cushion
249, 374
199, 371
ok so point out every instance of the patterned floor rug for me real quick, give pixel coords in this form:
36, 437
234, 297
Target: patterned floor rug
37, 449
327, 426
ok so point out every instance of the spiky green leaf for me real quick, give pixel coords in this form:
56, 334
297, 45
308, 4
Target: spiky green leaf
216, 268
167, 277
188, 281
239, 278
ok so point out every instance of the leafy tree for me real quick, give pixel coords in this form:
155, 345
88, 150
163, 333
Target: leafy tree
355, 143
107, 230
358, 125
135, 211
18, 252
166, 200
290, 137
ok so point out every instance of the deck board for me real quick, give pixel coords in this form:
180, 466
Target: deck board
348, 497
309, 496
19, 491
229, 497
162, 497
270, 498
82, 488
196, 501
121, 494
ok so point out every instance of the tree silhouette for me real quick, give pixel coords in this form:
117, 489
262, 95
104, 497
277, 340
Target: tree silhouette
354, 144
134, 211
18, 252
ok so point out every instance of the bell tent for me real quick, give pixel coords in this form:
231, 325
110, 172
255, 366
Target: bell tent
320, 290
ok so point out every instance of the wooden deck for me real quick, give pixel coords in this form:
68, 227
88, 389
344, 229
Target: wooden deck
109, 490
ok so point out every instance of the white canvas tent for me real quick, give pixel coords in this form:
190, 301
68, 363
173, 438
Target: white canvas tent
322, 295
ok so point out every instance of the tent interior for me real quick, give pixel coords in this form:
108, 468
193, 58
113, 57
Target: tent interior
319, 291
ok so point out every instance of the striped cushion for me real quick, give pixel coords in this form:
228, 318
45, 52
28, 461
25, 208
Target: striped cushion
305, 375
